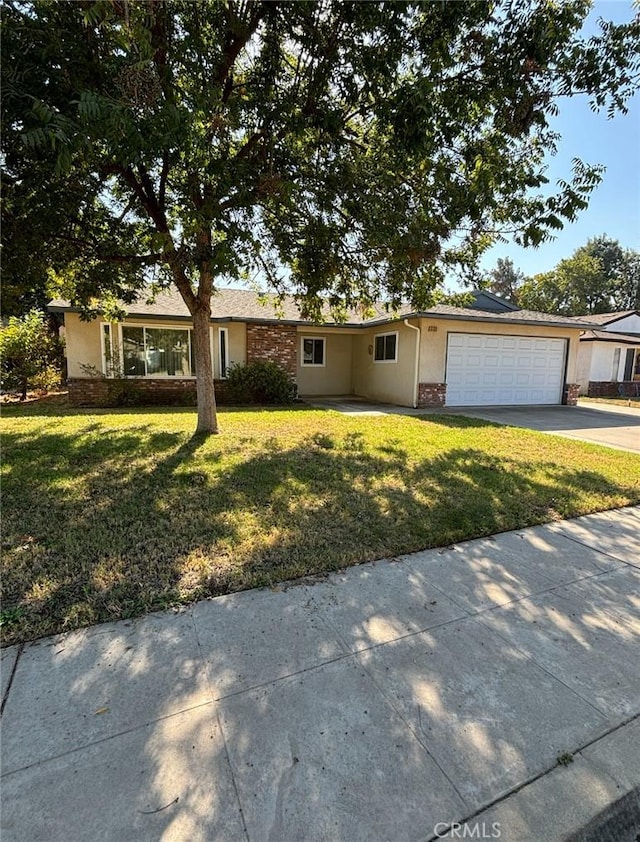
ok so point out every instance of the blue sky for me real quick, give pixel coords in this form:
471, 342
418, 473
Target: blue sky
614, 208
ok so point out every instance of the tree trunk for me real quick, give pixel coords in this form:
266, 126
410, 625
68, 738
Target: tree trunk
25, 386
207, 415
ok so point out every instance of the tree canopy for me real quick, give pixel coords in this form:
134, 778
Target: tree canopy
350, 151
600, 277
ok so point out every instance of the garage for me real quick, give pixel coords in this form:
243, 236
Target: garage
500, 370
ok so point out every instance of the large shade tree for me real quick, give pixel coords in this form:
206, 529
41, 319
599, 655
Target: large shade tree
342, 150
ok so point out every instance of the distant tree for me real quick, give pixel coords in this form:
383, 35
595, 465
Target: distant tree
627, 296
342, 149
599, 277
504, 279
544, 292
621, 269
27, 350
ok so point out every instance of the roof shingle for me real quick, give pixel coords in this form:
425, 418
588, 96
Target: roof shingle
605, 318
246, 305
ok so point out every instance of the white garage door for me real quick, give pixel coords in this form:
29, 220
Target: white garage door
491, 370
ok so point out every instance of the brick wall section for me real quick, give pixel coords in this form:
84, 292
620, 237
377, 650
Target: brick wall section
278, 343
571, 392
97, 391
611, 389
431, 394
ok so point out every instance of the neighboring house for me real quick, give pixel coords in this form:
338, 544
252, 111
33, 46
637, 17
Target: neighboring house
445, 356
609, 355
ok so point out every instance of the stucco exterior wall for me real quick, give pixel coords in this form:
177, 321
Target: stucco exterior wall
82, 345
335, 376
583, 366
237, 339
603, 358
83, 341
388, 382
602, 361
433, 346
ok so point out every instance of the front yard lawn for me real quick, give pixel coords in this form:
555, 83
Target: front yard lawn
108, 514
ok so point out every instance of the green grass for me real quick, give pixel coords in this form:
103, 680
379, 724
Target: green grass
108, 514
626, 401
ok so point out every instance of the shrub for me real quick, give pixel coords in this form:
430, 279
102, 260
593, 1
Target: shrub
260, 382
28, 349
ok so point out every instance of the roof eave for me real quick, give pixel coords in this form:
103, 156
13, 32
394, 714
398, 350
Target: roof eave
496, 320
380, 322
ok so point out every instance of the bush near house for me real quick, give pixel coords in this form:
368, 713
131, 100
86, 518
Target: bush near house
260, 382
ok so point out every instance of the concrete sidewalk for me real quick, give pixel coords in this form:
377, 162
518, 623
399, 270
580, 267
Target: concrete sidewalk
383, 703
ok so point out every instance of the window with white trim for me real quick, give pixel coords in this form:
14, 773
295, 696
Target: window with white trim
386, 347
223, 351
313, 348
109, 353
147, 351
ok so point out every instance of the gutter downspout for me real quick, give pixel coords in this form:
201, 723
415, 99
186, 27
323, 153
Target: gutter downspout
417, 363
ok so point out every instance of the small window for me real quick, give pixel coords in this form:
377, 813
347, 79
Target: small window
107, 351
223, 350
616, 365
386, 346
313, 350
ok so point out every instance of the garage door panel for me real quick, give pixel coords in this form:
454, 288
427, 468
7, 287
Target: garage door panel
490, 369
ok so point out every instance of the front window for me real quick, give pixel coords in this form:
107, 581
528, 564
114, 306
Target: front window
156, 352
386, 347
313, 350
167, 352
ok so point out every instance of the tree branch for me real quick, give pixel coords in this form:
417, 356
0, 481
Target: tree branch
142, 259
234, 46
158, 217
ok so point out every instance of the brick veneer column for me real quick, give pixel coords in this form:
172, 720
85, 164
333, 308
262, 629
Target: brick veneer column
571, 392
431, 394
278, 343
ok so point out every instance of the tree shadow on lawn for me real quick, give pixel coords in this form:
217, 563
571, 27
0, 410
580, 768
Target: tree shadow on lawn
152, 715
100, 527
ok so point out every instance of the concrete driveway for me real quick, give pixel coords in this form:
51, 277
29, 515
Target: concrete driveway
496, 681
619, 428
